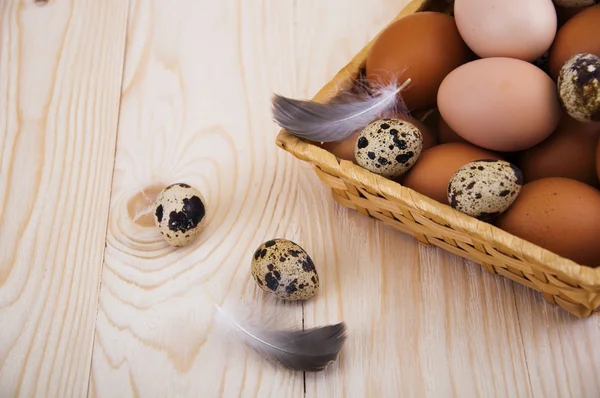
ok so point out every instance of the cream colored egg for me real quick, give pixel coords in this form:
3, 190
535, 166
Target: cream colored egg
281, 267
388, 147
579, 87
488, 102
484, 188
180, 214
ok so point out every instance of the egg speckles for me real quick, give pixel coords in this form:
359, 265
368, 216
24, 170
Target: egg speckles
283, 268
579, 87
484, 188
388, 147
179, 214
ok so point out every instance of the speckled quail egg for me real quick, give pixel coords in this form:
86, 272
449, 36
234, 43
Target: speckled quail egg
281, 267
579, 87
179, 213
388, 147
484, 188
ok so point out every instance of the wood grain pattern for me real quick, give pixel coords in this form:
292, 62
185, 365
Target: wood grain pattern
60, 79
195, 109
423, 322
196, 80
562, 351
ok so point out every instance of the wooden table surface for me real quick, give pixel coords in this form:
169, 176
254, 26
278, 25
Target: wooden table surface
104, 102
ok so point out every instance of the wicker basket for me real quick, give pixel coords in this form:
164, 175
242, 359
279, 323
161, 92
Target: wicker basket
563, 282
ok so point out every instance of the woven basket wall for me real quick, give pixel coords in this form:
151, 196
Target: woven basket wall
563, 282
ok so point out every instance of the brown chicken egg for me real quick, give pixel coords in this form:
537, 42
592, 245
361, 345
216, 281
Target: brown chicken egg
559, 214
598, 159
345, 149
570, 152
435, 167
580, 34
446, 134
440, 128
424, 47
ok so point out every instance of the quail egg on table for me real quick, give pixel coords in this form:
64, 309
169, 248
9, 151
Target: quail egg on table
388, 147
484, 188
283, 268
179, 213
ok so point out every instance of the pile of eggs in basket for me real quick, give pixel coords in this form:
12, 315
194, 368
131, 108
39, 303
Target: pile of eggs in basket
503, 120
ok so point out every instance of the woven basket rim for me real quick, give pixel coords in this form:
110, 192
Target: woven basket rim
583, 275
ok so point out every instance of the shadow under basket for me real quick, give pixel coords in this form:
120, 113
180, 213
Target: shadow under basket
573, 287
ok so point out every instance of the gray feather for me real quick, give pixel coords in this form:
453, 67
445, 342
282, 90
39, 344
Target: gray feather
309, 350
338, 119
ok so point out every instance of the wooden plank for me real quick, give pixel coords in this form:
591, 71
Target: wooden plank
61, 64
422, 322
195, 109
198, 81
562, 351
